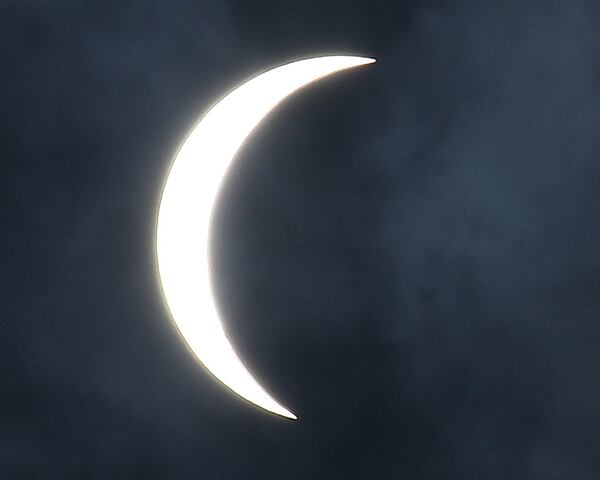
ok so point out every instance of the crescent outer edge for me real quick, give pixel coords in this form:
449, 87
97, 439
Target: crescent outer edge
186, 208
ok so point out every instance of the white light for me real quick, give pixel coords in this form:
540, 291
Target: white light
186, 208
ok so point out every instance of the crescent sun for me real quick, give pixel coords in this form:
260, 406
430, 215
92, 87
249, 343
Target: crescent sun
182, 236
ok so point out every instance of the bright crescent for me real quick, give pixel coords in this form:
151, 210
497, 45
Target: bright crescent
186, 208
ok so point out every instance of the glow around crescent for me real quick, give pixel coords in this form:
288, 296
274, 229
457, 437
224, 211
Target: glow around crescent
186, 208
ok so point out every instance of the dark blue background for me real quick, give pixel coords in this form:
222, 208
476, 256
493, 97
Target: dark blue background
408, 255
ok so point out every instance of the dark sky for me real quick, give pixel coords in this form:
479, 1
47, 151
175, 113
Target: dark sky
407, 255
